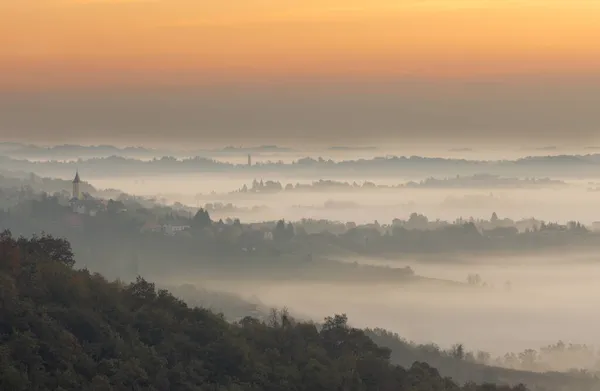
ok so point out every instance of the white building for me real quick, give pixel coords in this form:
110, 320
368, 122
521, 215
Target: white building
172, 230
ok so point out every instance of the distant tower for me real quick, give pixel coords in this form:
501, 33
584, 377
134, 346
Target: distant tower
249, 160
76, 183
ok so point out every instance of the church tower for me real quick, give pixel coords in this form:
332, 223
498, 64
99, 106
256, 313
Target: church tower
76, 182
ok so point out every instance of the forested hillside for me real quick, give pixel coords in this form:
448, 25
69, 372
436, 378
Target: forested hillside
66, 329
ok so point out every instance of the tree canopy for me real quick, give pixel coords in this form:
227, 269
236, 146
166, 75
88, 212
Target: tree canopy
66, 329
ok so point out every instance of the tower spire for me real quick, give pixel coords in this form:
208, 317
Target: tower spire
76, 183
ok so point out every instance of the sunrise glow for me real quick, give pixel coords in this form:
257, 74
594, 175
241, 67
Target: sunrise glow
88, 42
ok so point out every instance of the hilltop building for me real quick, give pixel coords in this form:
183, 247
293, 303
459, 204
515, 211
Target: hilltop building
84, 204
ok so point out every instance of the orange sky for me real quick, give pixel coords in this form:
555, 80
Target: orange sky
90, 42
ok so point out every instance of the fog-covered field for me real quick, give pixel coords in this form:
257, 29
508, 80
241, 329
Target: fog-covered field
551, 297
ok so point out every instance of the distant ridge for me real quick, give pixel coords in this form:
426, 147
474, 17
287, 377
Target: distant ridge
559, 166
70, 151
347, 148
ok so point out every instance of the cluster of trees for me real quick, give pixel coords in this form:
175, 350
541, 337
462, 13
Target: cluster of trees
557, 357
414, 235
459, 237
66, 329
484, 181
201, 220
283, 232
471, 181
528, 367
320, 185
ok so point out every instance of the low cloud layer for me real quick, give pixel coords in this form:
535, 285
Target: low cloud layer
408, 111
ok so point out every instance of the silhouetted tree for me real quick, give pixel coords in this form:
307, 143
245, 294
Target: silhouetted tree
201, 220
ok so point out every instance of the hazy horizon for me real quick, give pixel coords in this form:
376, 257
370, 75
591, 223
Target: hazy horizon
184, 72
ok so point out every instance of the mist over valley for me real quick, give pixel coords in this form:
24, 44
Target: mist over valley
501, 266
261, 195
